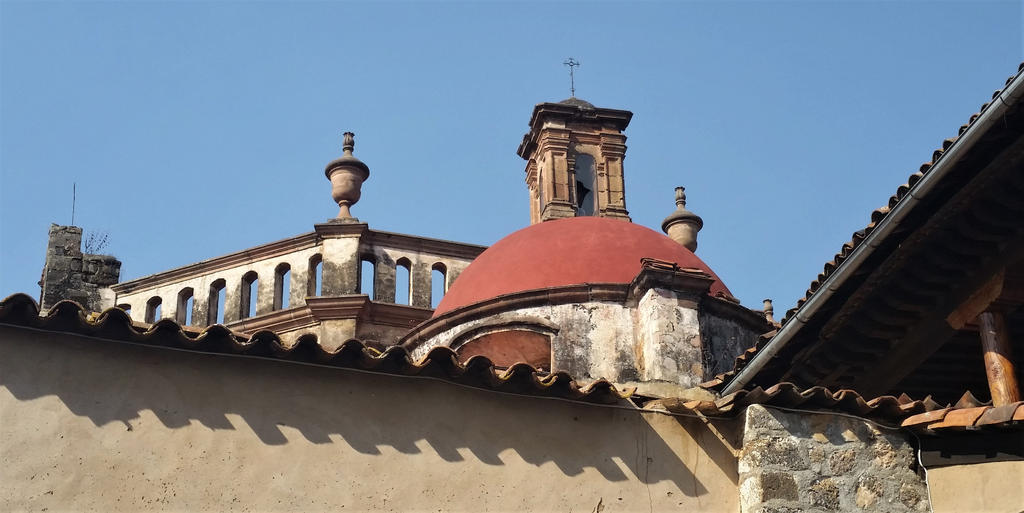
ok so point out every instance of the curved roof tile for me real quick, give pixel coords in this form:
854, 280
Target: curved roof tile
879, 214
114, 324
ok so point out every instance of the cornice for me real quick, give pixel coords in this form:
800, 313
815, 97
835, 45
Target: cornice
319, 309
212, 265
403, 316
666, 275
277, 321
439, 247
340, 229
619, 119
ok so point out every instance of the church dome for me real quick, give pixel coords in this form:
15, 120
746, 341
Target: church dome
569, 251
577, 102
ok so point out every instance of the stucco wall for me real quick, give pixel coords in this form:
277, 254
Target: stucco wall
996, 487
90, 424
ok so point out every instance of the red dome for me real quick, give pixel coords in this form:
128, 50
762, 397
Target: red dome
569, 251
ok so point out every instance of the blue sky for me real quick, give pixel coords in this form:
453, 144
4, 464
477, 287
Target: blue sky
196, 129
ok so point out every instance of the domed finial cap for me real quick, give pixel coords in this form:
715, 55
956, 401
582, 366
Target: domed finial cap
682, 225
578, 103
347, 160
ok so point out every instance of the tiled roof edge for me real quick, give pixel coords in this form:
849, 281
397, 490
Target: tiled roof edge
789, 395
924, 416
722, 380
879, 214
21, 310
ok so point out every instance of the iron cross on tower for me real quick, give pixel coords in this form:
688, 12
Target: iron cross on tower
572, 63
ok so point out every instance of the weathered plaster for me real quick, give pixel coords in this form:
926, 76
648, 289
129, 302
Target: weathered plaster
655, 345
588, 335
668, 339
724, 339
341, 266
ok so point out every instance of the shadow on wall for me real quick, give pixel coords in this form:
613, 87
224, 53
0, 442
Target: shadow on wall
111, 382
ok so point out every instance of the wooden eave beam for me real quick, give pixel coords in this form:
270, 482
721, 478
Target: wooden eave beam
999, 364
988, 190
932, 332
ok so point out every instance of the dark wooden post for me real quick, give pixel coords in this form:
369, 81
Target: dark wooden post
995, 342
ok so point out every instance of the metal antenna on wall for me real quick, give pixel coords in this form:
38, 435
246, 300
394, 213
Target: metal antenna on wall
572, 63
73, 197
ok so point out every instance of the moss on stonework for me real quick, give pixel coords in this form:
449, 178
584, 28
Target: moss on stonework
825, 494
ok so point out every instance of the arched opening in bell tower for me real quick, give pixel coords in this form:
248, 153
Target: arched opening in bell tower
586, 199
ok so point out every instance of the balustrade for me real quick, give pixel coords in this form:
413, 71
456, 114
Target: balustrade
283, 280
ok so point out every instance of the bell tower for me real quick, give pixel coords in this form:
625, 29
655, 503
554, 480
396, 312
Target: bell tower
574, 153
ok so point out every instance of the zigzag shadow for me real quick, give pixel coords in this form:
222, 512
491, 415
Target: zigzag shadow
110, 382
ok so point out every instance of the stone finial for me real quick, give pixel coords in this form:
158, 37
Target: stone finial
769, 311
682, 225
347, 175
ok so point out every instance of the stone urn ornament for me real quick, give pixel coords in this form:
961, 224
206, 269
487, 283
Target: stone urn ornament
347, 175
682, 225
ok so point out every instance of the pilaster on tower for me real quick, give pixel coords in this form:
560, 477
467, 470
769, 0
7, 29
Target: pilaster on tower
574, 156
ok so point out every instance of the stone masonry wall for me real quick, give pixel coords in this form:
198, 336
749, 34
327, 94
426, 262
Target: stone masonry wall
818, 463
70, 274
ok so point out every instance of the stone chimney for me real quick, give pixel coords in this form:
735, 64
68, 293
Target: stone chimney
347, 175
682, 225
71, 274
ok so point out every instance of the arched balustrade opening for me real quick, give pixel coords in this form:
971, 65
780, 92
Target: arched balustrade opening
315, 275
186, 301
438, 283
282, 286
367, 275
403, 281
215, 302
153, 309
247, 295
